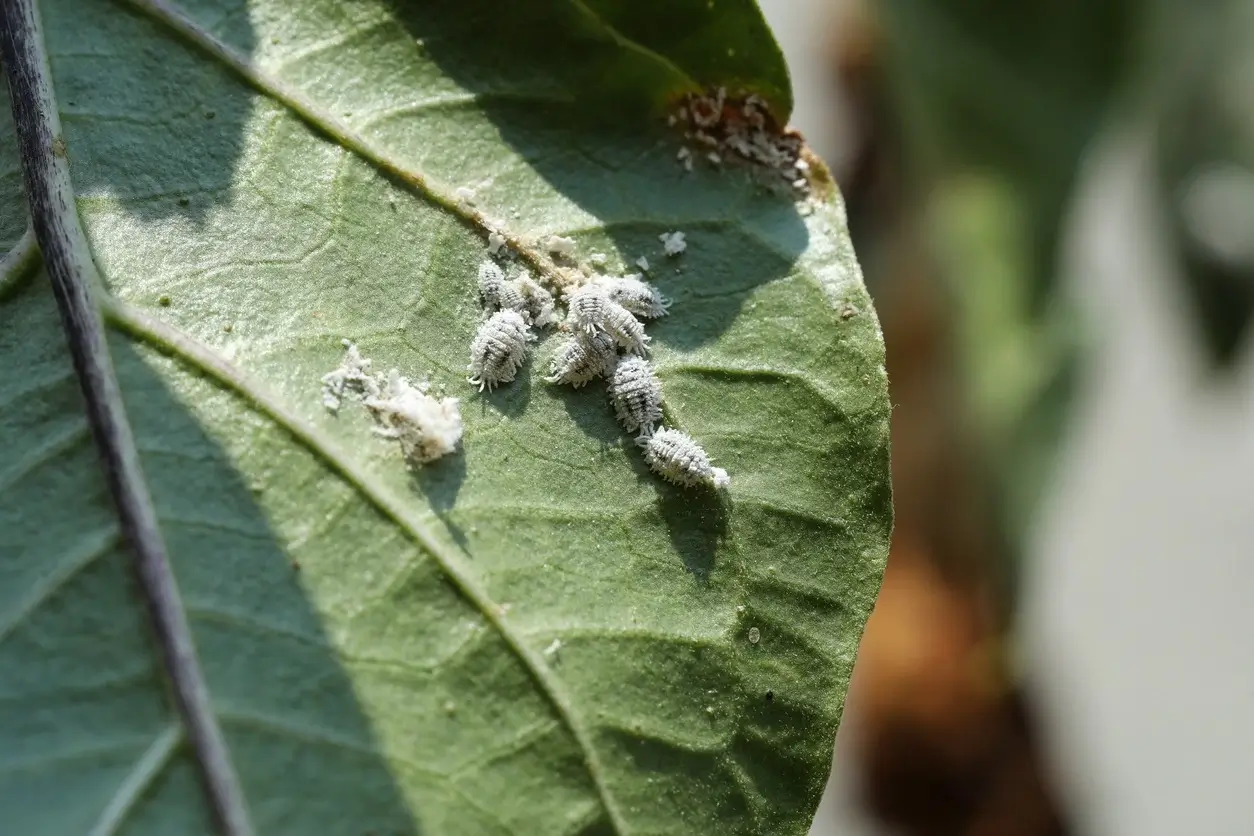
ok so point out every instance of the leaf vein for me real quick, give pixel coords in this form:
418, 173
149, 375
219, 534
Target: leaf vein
147, 768
94, 545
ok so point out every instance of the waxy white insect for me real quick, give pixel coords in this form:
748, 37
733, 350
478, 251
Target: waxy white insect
593, 310
677, 458
426, 427
636, 394
496, 291
499, 349
636, 295
583, 358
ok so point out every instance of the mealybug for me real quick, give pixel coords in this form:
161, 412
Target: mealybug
677, 458
582, 358
588, 307
593, 310
637, 296
499, 349
636, 394
496, 292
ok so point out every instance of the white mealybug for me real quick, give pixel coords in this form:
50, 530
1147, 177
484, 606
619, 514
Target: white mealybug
583, 358
537, 302
500, 346
677, 458
593, 310
496, 292
588, 307
636, 295
636, 394
426, 427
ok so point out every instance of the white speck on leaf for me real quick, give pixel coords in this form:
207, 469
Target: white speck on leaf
643, 263
754, 635
673, 243
560, 245
598, 259
495, 242
465, 194
553, 648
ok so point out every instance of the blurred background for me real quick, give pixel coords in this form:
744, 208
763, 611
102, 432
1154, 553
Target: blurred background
1053, 204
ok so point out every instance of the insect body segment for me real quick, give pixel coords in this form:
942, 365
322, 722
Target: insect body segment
636, 394
499, 349
677, 458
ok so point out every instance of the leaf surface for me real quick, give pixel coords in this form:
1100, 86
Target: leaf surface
534, 635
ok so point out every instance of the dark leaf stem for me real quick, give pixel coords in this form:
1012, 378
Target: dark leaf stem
69, 265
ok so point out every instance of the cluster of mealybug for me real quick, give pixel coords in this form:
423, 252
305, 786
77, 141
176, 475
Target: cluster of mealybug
503, 341
605, 316
607, 339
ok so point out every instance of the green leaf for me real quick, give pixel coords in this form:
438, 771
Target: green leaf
534, 635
